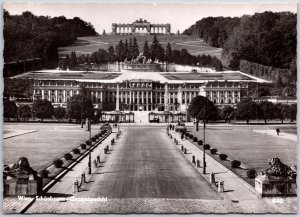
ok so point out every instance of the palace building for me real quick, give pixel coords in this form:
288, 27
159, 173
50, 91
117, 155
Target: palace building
141, 27
142, 92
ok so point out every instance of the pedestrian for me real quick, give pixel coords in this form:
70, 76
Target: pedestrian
182, 136
277, 131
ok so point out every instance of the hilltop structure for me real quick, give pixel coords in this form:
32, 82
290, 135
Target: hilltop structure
141, 27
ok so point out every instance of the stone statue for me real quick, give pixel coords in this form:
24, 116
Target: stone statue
277, 168
20, 169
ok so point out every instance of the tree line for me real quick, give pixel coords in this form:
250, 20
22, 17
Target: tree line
263, 44
129, 50
43, 109
27, 36
245, 110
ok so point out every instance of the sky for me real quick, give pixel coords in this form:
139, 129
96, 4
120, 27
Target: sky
180, 16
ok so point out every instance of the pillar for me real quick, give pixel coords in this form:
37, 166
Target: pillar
65, 98
179, 96
166, 96
117, 98
185, 98
43, 94
56, 97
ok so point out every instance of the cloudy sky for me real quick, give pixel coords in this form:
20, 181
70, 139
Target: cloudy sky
180, 16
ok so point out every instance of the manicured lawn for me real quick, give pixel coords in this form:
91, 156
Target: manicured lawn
194, 45
251, 148
51, 141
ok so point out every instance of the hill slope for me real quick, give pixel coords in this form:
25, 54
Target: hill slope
87, 45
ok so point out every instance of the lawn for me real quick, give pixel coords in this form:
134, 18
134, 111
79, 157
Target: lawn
52, 140
251, 148
87, 45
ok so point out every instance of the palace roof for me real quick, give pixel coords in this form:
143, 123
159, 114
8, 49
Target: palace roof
162, 77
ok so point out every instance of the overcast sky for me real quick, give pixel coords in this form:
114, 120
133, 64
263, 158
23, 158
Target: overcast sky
180, 16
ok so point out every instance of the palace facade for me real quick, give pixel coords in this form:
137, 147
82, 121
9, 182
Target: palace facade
146, 91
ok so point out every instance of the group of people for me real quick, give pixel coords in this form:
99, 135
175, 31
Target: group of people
172, 127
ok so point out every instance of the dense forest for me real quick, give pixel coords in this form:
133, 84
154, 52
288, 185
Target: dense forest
129, 51
263, 44
28, 36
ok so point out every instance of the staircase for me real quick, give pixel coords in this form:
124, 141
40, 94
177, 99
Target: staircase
141, 116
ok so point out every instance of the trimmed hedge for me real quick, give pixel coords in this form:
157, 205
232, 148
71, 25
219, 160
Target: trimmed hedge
44, 173
251, 173
235, 164
223, 156
191, 136
213, 151
58, 163
83, 146
200, 142
93, 139
88, 142
76, 151
206, 146
195, 139
68, 156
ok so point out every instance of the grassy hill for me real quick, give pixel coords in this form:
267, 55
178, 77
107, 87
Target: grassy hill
193, 44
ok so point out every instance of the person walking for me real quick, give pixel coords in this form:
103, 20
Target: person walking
277, 131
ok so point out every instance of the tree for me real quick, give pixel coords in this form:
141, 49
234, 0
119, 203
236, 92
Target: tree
111, 54
42, 109
73, 59
103, 33
169, 53
283, 111
248, 110
197, 111
293, 112
154, 48
24, 111
268, 110
226, 113
77, 104
10, 109
59, 113
146, 51
135, 48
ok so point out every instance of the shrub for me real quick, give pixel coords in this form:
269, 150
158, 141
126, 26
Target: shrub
251, 173
96, 136
223, 156
235, 164
83, 146
200, 142
68, 156
191, 136
44, 173
187, 134
58, 163
195, 139
213, 151
206, 146
76, 151
93, 139
88, 142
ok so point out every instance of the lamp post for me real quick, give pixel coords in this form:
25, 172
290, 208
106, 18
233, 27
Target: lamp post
90, 129
204, 163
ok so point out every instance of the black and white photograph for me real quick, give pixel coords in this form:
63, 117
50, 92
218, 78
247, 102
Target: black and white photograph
149, 108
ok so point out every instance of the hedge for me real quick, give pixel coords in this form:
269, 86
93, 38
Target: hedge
213, 151
88, 142
76, 151
44, 173
191, 136
58, 163
195, 139
235, 164
68, 156
223, 156
251, 173
83, 146
200, 142
206, 146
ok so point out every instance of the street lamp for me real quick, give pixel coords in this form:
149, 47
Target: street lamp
90, 129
